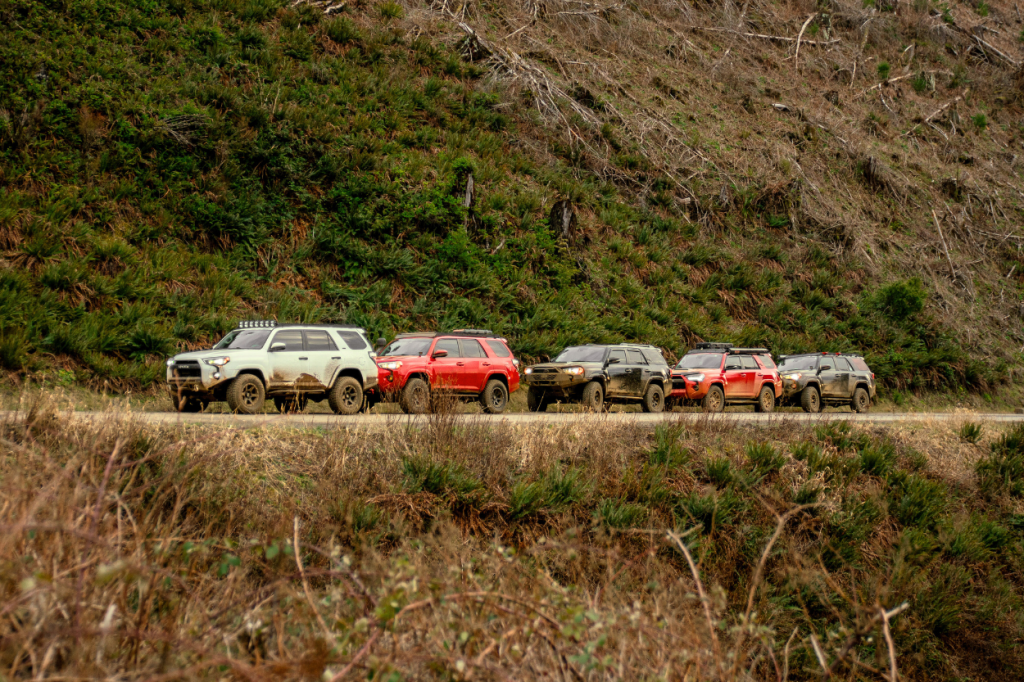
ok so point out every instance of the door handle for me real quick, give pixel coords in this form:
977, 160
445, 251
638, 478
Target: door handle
336, 357
303, 358
487, 364
460, 364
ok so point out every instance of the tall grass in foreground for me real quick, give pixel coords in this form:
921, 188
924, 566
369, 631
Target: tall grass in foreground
490, 552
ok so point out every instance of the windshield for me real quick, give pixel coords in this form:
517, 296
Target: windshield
799, 362
581, 354
700, 361
418, 346
244, 339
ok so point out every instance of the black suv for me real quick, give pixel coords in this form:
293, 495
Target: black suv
598, 375
813, 380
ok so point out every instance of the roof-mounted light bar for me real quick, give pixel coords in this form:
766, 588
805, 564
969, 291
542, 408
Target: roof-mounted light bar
253, 324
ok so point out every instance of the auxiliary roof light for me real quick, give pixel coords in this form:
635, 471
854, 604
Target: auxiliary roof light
251, 324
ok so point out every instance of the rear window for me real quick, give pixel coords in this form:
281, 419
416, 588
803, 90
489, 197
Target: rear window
353, 340
654, 357
859, 364
749, 362
471, 348
767, 361
319, 340
636, 357
498, 348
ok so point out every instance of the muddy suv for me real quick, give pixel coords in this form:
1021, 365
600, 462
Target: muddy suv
814, 380
597, 376
714, 375
469, 364
290, 363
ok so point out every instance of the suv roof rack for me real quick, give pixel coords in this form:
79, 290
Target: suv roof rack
728, 348
477, 333
713, 346
274, 324
472, 332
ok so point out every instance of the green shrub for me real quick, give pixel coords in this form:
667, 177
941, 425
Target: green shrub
764, 459
883, 70
1003, 469
668, 451
980, 121
711, 511
901, 300
877, 459
919, 502
719, 471
616, 513
526, 499
970, 432
444, 479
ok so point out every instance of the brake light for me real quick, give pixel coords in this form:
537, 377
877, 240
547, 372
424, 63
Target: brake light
872, 376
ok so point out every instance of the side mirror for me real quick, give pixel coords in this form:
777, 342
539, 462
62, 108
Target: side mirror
275, 347
440, 354
824, 368
612, 361
381, 342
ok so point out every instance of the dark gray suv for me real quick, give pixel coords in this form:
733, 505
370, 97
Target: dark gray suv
598, 375
814, 380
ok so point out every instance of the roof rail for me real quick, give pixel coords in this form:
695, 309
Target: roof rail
472, 332
713, 346
250, 324
749, 351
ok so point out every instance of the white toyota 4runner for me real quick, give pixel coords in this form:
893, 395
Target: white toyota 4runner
290, 363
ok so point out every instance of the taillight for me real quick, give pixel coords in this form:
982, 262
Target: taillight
515, 362
872, 376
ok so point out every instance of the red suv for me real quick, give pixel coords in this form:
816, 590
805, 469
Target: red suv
472, 363
714, 375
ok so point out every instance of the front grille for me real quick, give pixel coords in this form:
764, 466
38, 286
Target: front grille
187, 369
679, 383
545, 370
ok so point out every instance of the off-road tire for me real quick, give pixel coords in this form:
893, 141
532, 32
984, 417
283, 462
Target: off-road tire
495, 397
290, 404
245, 395
861, 401
191, 404
810, 400
593, 396
714, 400
415, 397
765, 400
654, 399
346, 396
536, 401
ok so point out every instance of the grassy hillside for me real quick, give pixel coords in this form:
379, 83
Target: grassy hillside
465, 551
170, 166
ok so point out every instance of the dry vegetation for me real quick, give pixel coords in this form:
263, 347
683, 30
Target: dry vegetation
473, 551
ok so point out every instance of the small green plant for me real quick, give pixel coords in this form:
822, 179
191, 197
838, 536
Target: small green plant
919, 502
720, 471
710, 511
883, 70
919, 83
391, 10
969, 432
444, 479
526, 499
980, 121
616, 513
982, 9
1003, 469
764, 459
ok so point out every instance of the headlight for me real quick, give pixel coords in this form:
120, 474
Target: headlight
697, 378
573, 370
794, 377
218, 362
529, 370
170, 363
394, 364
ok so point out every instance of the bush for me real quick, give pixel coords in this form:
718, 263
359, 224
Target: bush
901, 300
970, 432
444, 479
616, 513
764, 460
1003, 469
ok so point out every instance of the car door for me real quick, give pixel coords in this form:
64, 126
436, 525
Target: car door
751, 384
827, 378
639, 373
446, 372
735, 379
324, 359
844, 376
618, 372
473, 372
289, 363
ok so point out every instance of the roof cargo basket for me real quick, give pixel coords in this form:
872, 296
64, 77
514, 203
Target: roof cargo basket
714, 346
473, 332
749, 351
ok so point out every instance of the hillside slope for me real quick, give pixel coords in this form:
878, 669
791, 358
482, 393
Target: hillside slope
172, 166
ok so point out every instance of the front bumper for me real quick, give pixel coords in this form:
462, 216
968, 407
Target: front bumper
684, 388
555, 380
191, 376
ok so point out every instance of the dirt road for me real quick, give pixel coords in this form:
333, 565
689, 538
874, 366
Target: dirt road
236, 421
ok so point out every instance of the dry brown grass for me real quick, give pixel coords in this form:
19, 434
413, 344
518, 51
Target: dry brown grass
169, 553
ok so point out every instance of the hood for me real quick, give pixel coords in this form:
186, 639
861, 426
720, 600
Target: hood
203, 354
403, 358
560, 365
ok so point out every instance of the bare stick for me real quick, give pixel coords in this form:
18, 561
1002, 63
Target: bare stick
952, 272
893, 674
938, 111
796, 57
762, 36
821, 656
703, 598
898, 78
305, 583
355, 659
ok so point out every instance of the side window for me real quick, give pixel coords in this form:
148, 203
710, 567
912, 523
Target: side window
733, 362
842, 365
767, 361
450, 345
291, 338
620, 355
471, 348
353, 340
654, 357
499, 348
636, 358
859, 364
319, 340
749, 362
